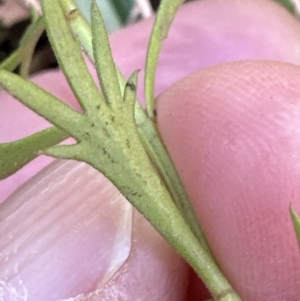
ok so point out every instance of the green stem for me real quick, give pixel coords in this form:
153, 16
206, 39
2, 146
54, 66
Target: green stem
158, 153
73, 64
26, 149
82, 32
115, 150
164, 18
105, 65
147, 128
45, 104
165, 217
109, 140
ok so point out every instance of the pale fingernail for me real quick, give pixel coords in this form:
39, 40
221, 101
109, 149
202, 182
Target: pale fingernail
64, 233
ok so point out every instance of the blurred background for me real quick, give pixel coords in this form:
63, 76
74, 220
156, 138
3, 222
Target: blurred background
15, 17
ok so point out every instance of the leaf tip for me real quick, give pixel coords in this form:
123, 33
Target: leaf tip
296, 222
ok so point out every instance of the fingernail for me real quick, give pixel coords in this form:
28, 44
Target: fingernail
63, 233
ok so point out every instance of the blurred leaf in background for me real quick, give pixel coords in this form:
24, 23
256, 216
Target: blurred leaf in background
118, 13
290, 5
110, 14
15, 17
123, 7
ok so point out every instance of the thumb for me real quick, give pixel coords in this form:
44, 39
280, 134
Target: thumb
233, 132
68, 234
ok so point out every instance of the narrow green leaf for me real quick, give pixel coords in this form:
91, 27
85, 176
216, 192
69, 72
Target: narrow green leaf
164, 18
42, 102
296, 223
82, 33
27, 47
12, 61
131, 88
28, 51
159, 155
81, 30
147, 129
27, 43
71, 152
69, 56
129, 98
34, 13
15, 155
104, 62
26, 62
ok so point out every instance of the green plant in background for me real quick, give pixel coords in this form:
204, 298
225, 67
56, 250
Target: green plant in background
123, 8
288, 4
115, 12
114, 133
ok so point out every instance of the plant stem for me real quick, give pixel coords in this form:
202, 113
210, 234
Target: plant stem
164, 18
108, 139
118, 154
150, 138
147, 129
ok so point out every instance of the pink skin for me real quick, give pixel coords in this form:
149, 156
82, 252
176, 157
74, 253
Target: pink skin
242, 128
239, 169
